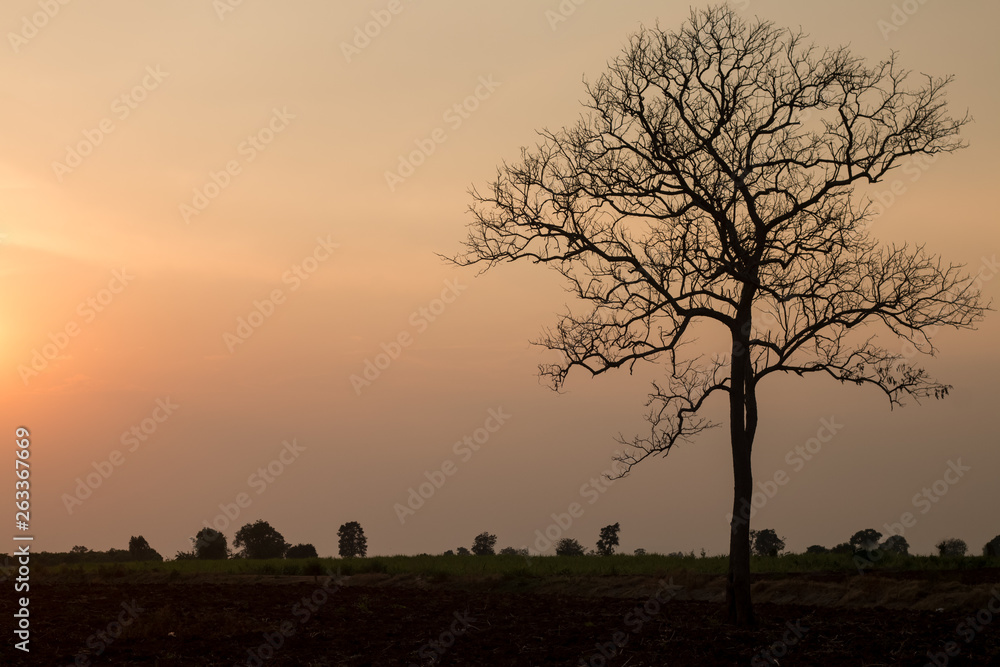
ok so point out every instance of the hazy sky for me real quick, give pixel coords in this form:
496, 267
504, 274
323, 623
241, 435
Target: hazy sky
170, 168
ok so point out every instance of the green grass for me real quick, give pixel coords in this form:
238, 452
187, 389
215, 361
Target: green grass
443, 567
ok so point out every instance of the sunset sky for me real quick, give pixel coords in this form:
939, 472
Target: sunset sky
200, 246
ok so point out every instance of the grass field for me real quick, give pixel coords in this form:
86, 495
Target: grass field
535, 566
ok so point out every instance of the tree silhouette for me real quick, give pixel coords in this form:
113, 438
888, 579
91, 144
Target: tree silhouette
210, 544
301, 551
353, 543
462, 551
608, 540
139, 549
260, 540
569, 547
709, 186
484, 544
992, 548
766, 542
865, 540
952, 547
896, 544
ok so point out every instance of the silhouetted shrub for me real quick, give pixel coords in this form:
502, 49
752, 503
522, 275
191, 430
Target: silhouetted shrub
569, 547
301, 551
952, 547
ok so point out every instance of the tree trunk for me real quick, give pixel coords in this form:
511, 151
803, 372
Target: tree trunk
738, 583
743, 425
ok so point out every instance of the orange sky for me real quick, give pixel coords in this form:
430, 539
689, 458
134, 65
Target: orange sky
168, 170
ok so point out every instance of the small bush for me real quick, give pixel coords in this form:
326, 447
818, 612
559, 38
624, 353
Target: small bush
952, 547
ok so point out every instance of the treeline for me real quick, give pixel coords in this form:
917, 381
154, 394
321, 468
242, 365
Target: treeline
259, 540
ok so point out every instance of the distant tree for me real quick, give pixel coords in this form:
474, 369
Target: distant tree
992, 548
842, 548
865, 540
896, 544
483, 544
766, 542
260, 540
952, 547
139, 549
353, 543
608, 540
569, 547
508, 551
185, 555
817, 549
210, 544
462, 551
639, 552
449, 552
302, 551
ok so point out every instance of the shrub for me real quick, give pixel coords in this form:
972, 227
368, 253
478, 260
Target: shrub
896, 544
951, 547
992, 548
210, 544
301, 551
139, 549
569, 547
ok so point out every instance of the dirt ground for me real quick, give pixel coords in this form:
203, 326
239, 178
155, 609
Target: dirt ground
611, 622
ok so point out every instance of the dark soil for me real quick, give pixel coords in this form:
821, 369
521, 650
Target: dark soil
240, 623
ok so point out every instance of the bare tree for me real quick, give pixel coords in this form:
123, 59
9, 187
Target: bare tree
710, 184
